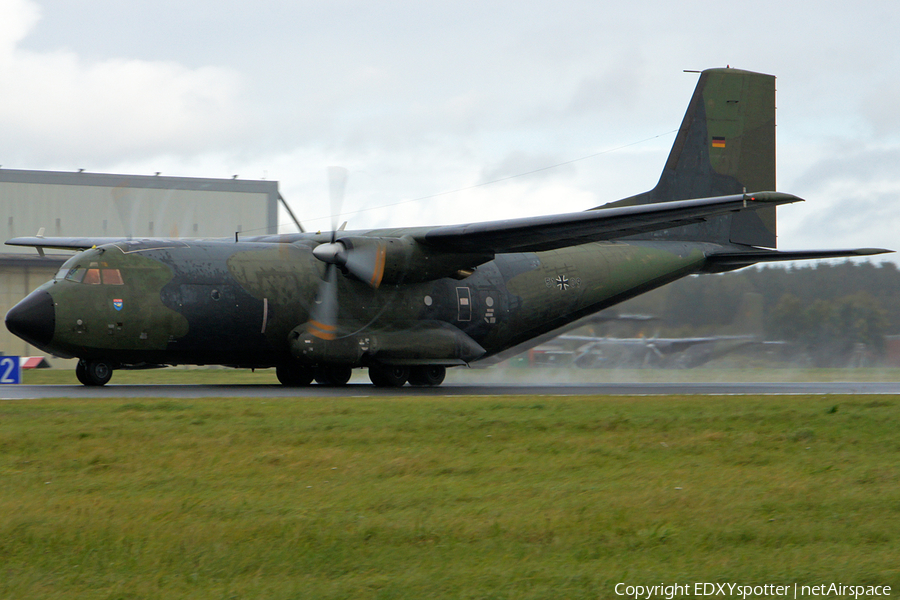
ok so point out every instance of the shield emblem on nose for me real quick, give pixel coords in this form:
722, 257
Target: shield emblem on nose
117, 303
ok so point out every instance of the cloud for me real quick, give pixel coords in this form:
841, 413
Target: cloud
57, 105
19, 17
881, 108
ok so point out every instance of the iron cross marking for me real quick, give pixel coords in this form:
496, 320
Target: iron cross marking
562, 282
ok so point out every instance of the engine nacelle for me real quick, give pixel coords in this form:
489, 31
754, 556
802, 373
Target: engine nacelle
396, 260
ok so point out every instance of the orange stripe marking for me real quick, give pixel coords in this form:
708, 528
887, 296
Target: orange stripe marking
321, 330
378, 274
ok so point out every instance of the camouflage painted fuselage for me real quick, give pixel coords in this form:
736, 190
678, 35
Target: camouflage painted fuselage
246, 304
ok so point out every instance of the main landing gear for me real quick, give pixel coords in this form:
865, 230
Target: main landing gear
397, 376
427, 375
387, 376
292, 375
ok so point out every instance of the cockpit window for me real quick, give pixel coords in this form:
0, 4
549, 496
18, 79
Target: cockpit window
112, 277
92, 277
75, 274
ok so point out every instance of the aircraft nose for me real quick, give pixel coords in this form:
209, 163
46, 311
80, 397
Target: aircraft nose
33, 319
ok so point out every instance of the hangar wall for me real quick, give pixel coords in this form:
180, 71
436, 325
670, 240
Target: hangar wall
93, 204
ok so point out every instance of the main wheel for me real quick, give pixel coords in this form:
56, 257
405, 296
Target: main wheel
81, 373
294, 375
93, 372
430, 375
389, 376
335, 376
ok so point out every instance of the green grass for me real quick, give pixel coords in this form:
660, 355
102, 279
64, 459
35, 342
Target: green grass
443, 498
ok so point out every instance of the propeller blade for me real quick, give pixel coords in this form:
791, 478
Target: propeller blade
323, 314
366, 264
337, 185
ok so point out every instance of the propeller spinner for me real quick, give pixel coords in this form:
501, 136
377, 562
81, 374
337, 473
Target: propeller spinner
366, 263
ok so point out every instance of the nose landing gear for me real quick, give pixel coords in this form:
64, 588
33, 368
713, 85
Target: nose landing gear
95, 372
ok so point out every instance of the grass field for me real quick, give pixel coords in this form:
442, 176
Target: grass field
444, 498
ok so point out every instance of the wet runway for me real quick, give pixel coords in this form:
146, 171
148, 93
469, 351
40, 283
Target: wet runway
359, 390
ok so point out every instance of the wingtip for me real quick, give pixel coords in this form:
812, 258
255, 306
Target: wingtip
872, 251
773, 197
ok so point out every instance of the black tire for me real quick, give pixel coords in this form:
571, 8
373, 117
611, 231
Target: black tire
81, 373
96, 372
389, 376
294, 375
428, 375
333, 376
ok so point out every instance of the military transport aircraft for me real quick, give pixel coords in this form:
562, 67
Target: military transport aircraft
407, 303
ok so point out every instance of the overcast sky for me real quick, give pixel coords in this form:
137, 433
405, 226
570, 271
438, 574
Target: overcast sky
426, 101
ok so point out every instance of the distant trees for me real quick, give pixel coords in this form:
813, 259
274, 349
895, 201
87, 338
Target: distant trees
830, 309
830, 330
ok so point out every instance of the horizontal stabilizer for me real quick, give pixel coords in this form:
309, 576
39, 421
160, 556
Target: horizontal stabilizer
728, 261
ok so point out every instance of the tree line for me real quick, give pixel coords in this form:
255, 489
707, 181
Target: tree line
829, 308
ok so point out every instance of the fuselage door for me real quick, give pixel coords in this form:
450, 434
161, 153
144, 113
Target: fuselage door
464, 302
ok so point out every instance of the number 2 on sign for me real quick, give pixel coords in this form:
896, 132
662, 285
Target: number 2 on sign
9, 369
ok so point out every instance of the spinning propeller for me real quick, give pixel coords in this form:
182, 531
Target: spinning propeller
365, 261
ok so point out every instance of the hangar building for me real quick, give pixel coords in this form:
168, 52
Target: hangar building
90, 204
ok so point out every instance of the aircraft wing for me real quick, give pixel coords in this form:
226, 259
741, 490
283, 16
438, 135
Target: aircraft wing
535, 234
64, 243
530, 234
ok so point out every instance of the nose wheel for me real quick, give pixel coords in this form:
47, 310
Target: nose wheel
95, 372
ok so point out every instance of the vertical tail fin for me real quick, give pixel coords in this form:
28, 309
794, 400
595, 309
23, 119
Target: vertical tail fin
726, 145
